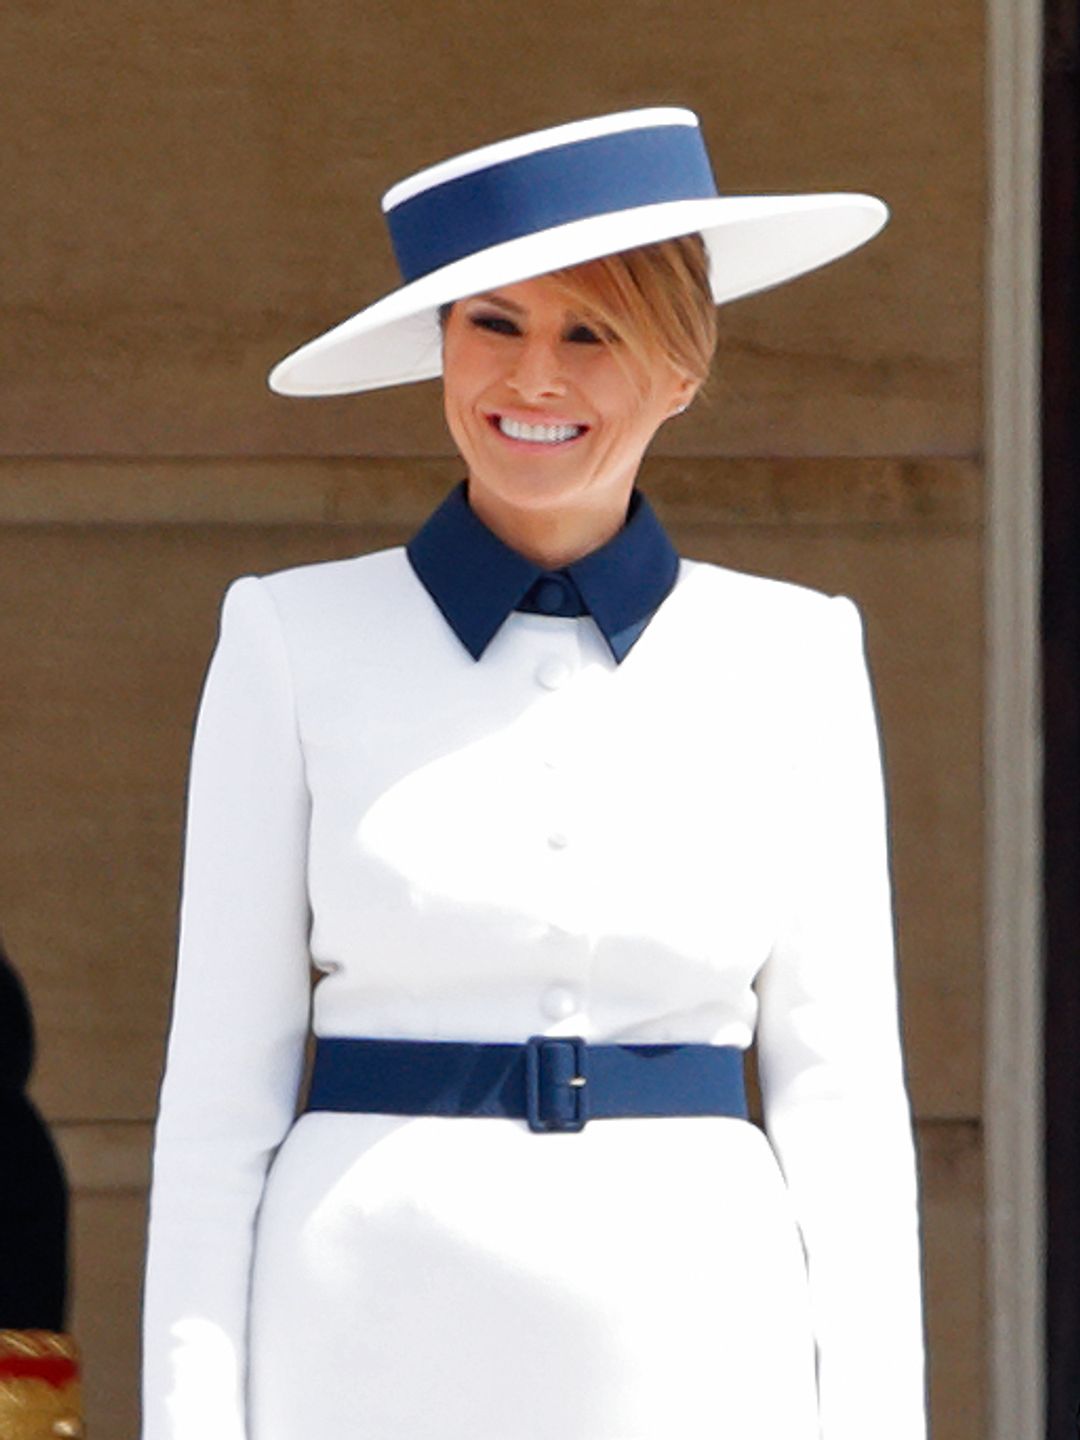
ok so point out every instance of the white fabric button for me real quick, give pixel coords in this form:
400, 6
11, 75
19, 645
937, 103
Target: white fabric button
557, 840
558, 1002
552, 673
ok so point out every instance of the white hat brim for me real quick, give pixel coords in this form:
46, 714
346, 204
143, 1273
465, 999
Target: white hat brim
754, 242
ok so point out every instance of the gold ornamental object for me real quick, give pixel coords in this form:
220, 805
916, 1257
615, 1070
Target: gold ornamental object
40, 1386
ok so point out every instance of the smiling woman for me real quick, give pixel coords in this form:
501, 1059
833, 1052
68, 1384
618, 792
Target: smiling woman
565, 823
578, 370
550, 415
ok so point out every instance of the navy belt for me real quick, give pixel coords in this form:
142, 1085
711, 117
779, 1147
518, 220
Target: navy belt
554, 1082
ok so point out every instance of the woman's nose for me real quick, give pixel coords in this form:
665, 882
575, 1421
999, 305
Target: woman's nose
537, 370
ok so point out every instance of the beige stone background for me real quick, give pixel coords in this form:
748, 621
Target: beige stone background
190, 190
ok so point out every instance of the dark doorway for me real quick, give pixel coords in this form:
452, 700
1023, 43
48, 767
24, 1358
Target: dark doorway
1061, 663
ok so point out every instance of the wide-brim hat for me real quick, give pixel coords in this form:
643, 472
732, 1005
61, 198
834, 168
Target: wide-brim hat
556, 198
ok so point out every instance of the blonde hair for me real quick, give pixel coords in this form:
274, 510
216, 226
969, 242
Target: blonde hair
655, 299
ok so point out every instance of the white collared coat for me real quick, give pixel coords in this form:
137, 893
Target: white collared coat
689, 846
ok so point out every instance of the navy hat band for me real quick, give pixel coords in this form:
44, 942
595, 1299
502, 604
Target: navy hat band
555, 186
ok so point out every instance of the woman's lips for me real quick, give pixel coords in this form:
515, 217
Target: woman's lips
547, 432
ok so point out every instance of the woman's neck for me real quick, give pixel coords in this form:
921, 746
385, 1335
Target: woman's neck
551, 538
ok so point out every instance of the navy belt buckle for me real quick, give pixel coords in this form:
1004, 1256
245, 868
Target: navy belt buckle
556, 1083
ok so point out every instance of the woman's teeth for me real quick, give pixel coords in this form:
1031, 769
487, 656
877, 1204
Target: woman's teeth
539, 434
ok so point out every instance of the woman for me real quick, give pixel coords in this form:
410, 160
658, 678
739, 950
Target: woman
564, 823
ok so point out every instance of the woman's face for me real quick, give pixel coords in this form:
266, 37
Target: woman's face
545, 411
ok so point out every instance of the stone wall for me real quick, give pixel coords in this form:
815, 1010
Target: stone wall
191, 192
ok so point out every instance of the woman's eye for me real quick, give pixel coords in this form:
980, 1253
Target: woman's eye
497, 324
584, 335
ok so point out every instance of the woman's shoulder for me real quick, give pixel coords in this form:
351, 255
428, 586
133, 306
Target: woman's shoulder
324, 587
713, 588
795, 631
326, 579
322, 598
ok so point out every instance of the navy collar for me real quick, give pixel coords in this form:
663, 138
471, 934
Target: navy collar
476, 580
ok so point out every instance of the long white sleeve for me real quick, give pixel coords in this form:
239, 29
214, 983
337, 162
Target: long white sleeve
831, 1069
237, 1039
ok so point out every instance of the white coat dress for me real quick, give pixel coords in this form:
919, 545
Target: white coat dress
688, 846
